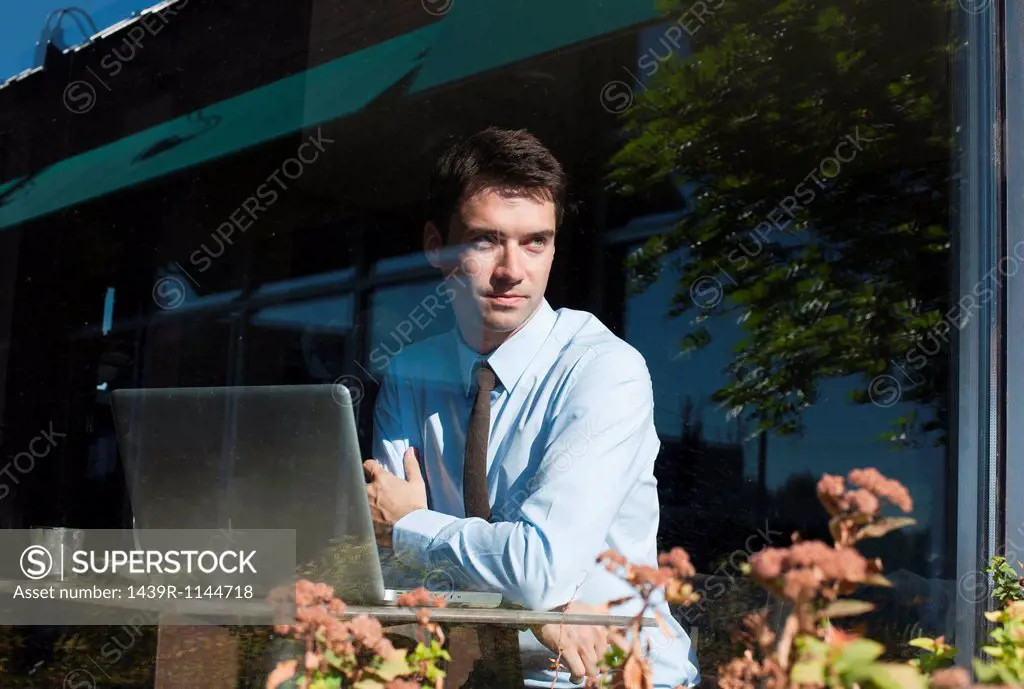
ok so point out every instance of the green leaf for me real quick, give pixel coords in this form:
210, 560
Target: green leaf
847, 608
857, 654
698, 339
1008, 676
393, 667
327, 683
993, 651
986, 672
334, 660
812, 646
614, 657
808, 672
898, 676
923, 642
995, 673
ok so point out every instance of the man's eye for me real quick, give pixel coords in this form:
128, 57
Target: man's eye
539, 241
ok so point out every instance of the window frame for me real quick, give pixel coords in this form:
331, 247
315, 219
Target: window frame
980, 216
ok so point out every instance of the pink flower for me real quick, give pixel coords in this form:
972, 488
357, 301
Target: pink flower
807, 566
872, 480
832, 494
864, 502
679, 561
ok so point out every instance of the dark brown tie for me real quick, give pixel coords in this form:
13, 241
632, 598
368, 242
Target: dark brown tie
474, 469
499, 665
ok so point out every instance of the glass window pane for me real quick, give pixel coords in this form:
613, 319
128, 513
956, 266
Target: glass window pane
792, 211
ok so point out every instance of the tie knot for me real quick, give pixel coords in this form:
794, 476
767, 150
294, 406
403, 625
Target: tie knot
485, 377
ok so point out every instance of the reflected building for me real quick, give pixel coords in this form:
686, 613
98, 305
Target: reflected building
707, 505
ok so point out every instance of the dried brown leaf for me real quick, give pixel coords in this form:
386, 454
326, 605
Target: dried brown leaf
847, 607
284, 671
876, 579
884, 526
636, 673
666, 630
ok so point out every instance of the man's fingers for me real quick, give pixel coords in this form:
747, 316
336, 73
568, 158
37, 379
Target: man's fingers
590, 658
576, 667
595, 637
600, 651
370, 469
412, 466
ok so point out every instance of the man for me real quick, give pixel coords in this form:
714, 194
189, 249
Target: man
511, 451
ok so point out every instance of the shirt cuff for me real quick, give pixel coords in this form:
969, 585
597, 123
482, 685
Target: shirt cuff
413, 534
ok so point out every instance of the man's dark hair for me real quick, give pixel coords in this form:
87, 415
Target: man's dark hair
508, 161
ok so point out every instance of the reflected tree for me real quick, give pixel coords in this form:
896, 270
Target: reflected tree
795, 507
814, 141
708, 504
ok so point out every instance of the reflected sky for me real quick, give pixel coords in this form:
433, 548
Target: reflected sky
21, 24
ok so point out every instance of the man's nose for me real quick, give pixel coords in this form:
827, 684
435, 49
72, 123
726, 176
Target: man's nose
510, 264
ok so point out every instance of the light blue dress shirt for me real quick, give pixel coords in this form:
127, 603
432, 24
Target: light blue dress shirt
570, 473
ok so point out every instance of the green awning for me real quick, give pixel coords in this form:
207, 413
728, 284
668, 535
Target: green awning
324, 93
481, 35
4, 186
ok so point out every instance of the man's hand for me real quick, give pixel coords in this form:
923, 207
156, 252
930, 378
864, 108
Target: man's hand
391, 498
582, 647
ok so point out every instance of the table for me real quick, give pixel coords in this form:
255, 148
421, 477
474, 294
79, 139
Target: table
212, 650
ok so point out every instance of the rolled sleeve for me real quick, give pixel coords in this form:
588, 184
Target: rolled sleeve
415, 532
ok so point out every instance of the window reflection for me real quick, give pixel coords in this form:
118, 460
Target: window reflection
722, 483
300, 342
839, 434
403, 315
188, 352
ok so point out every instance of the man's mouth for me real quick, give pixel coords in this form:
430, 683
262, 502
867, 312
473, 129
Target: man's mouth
505, 299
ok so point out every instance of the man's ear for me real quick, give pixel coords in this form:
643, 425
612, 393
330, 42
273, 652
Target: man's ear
432, 244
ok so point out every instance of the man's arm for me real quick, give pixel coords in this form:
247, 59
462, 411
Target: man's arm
601, 442
390, 441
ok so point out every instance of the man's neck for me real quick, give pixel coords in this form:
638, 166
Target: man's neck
485, 341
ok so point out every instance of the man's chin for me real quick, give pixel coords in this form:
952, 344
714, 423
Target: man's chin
503, 325
504, 320
497, 319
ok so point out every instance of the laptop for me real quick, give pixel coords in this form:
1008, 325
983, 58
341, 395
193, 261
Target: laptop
261, 457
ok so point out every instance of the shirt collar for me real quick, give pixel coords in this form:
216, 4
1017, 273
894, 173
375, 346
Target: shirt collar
509, 360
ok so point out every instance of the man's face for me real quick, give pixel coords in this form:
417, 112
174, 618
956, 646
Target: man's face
504, 249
